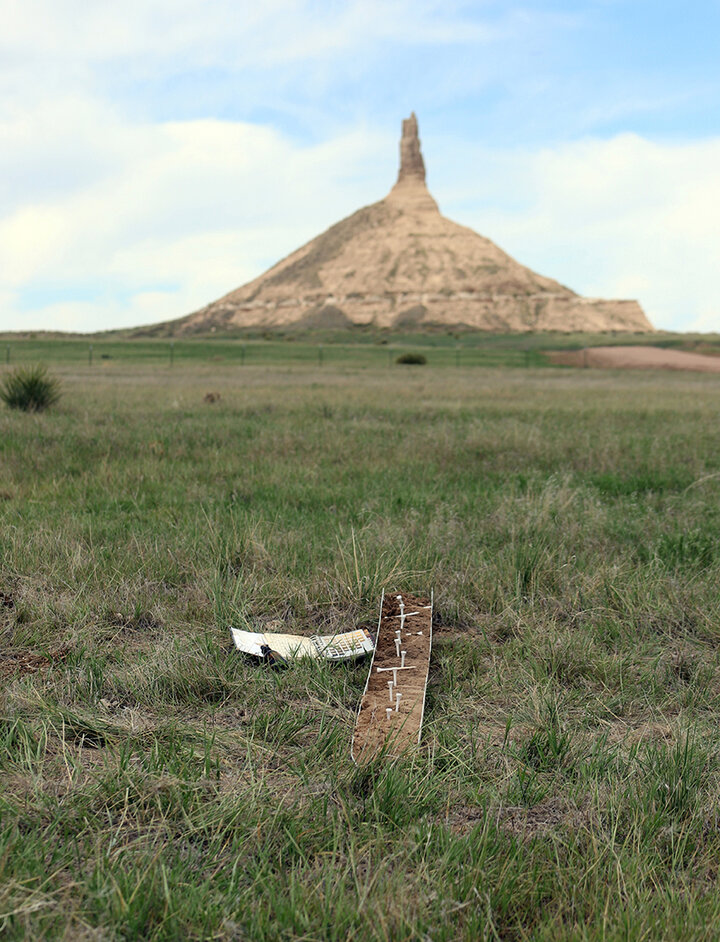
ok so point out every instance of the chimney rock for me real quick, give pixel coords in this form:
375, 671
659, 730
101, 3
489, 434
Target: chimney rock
412, 165
400, 263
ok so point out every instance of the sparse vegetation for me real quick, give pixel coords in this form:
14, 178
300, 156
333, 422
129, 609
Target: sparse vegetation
412, 359
155, 785
29, 388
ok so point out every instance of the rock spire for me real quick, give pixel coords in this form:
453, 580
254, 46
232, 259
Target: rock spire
412, 165
410, 189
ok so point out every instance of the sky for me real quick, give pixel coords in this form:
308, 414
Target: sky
155, 154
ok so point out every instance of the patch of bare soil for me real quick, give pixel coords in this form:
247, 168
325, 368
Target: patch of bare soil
25, 662
523, 823
400, 728
143, 622
635, 358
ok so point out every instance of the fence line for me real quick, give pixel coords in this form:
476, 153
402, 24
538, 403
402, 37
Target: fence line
264, 353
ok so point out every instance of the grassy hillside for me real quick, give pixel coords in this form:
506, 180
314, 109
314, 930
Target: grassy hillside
156, 785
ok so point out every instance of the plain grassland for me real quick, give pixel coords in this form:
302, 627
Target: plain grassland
359, 347
155, 785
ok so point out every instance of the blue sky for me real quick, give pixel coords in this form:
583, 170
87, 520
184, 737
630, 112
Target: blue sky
158, 153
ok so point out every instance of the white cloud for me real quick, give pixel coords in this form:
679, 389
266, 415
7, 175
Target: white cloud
624, 217
172, 215
170, 57
229, 33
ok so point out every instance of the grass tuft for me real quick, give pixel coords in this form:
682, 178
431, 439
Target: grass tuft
30, 388
412, 359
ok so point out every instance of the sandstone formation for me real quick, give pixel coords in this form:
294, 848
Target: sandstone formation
400, 263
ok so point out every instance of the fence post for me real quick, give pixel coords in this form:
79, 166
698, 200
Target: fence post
172, 352
7, 354
320, 354
90, 355
389, 357
242, 354
457, 354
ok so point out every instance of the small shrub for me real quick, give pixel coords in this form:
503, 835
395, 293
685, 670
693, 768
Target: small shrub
30, 388
416, 359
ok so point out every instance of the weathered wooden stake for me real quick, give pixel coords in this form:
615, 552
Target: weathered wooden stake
400, 730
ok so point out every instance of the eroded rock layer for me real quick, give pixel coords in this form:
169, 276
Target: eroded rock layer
400, 263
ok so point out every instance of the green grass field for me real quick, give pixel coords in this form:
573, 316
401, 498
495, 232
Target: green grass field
359, 348
156, 785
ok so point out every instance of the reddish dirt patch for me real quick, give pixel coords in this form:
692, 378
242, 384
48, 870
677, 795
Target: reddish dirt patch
401, 729
25, 662
635, 358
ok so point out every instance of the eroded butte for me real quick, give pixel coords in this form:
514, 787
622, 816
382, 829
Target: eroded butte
401, 263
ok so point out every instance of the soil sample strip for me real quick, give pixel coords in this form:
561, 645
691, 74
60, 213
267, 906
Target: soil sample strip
391, 710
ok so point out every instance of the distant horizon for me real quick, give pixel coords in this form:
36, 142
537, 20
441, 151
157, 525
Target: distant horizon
155, 159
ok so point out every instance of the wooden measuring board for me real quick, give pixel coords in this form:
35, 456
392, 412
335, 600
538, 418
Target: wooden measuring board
389, 720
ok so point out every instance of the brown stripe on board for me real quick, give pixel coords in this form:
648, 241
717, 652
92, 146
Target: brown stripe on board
376, 730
